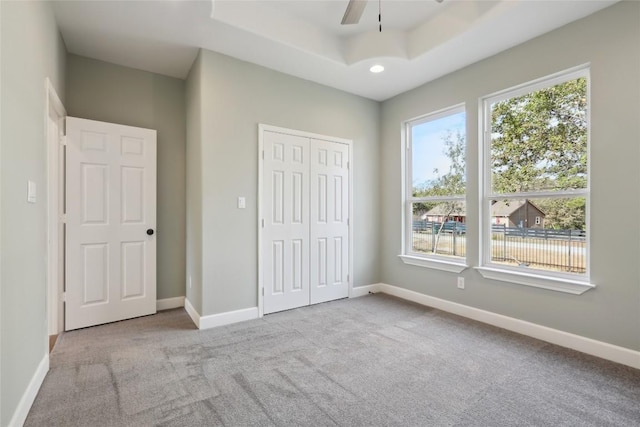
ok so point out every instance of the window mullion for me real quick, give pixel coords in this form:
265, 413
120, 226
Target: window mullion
438, 199
558, 194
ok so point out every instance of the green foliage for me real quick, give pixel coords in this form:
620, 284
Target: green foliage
539, 140
564, 214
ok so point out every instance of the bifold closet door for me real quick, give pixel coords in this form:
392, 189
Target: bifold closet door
329, 221
285, 243
305, 208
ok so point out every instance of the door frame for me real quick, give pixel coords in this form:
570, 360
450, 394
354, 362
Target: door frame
262, 128
55, 201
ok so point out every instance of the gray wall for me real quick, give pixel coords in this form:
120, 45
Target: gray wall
236, 97
609, 41
194, 184
102, 91
32, 49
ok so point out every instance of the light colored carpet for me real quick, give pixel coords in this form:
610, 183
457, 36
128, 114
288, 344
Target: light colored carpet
370, 361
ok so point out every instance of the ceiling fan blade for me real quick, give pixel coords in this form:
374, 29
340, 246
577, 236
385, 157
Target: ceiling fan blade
354, 12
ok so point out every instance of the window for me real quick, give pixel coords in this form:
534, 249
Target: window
536, 179
435, 188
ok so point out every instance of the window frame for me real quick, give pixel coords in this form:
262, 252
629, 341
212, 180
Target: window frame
407, 255
575, 283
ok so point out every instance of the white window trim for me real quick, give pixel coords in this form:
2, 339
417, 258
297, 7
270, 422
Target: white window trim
434, 262
544, 281
419, 259
557, 281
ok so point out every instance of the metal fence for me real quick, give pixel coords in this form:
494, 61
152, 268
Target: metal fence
561, 250
446, 241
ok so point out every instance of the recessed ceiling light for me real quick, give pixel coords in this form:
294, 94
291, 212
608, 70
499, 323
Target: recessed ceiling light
376, 69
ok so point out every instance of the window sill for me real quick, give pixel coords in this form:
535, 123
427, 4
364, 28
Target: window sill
436, 264
559, 284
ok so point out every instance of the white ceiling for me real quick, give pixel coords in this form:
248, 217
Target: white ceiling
421, 40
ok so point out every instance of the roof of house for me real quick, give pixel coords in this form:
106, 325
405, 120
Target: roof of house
505, 208
448, 208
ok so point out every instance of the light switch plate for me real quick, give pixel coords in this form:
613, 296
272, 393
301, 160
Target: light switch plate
242, 203
31, 192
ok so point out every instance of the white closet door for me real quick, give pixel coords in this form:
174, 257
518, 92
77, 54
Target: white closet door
111, 219
285, 248
329, 221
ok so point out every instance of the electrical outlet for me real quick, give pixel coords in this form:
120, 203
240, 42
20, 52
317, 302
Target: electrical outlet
460, 282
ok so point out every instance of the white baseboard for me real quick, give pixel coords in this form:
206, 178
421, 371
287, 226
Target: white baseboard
221, 319
29, 396
192, 312
169, 303
361, 291
590, 346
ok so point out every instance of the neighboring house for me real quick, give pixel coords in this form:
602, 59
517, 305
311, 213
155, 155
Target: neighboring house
446, 211
512, 214
517, 214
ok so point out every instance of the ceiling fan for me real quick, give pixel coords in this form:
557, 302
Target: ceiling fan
356, 7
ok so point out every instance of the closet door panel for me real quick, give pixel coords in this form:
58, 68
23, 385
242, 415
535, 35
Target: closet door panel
329, 196
285, 243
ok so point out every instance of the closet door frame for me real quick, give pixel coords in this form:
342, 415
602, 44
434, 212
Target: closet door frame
262, 128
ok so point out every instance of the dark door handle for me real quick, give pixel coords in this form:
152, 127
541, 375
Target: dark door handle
150, 231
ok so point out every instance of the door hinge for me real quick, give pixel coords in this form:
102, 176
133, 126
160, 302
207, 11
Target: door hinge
63, 297
262, 154
262, 291
347, 278
348, 165
348, 221
262, 222
63, 218
63, 140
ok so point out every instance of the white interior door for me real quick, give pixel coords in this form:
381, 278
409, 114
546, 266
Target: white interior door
305, 202
110, 223
329, 221
285, 246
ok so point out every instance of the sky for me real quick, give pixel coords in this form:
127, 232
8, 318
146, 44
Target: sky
428, 151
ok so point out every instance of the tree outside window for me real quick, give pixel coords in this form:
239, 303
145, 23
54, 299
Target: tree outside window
436, 184
536, 152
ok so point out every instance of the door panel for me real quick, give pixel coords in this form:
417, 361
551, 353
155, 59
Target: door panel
329, 220
94, 194
132, 200
285, 246
133, 256
95, 274
111, 202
